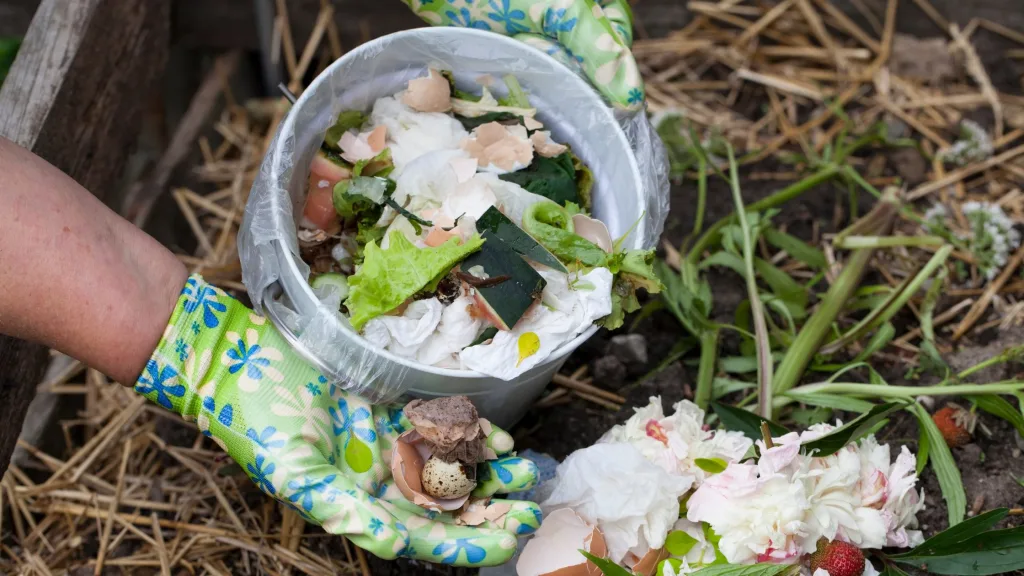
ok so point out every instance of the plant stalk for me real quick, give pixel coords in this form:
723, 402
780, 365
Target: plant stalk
814, 332
780, 197
883, 390
706, 370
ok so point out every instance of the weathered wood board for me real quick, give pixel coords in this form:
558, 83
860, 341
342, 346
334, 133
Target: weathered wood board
74, 97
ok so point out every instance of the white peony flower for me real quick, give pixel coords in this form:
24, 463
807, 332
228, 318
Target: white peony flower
759, 519
675, 442
902, 503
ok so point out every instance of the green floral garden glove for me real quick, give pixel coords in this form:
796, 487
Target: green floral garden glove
591, 35
312, 446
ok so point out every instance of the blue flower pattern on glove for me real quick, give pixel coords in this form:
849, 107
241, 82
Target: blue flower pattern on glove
247, 357
450, 550
555, 22
355, 423
159, 380
462, 17
511, 18
303, 490
260, 474
204, 296
265, 438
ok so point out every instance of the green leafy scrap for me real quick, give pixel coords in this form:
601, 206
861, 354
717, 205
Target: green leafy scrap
552, 178
8, 50
835, 440
389, 277
970, 547
347, 120
740, 420
944, 466
517, 97
471, 123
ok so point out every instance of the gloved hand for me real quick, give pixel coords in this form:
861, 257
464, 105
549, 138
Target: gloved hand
592, 35
312, 446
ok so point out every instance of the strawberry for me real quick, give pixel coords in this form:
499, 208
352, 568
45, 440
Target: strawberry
956, 424
838, 558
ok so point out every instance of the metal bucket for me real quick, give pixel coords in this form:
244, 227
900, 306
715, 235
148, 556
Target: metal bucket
276, 277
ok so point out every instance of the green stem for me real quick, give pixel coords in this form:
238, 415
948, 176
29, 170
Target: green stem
764, 352
1007, 355
816, 329
882, 390
814, 332
856, 242
780, 197
706, 371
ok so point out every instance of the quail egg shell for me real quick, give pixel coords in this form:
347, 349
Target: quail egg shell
447, 480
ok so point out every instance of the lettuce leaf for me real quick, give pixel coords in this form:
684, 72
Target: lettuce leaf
584, 181
551, 225
517, 97
389, 277
347, 120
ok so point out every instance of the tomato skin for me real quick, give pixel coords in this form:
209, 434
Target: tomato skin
323, 175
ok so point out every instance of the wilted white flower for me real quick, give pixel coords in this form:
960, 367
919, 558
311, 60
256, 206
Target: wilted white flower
973, 145
993, 236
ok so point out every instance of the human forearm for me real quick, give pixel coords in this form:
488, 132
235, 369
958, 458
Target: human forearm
74, 275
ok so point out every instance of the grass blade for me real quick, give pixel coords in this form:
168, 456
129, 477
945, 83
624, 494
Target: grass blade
944, 466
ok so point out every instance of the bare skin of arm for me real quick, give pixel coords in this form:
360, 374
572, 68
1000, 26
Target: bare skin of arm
74, 275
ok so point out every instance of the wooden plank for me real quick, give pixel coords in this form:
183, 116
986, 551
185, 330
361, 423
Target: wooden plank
74, 97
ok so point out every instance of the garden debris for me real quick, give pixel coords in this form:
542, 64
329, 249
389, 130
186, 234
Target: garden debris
630, 348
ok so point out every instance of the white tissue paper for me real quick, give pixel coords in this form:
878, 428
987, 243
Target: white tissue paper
632, 500
402, 335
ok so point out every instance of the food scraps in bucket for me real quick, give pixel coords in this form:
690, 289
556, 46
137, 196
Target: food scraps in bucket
461, 230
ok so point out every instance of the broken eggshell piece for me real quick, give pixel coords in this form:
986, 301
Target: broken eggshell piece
431, 93
498, 148
407, 461
554, 548
363, 146
647, 565
594, 230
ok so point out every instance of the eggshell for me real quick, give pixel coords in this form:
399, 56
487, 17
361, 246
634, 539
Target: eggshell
593, 230
407, 462
499, 148
377, 139
553, 550
545, 146
479, 511
428, 94
647, 565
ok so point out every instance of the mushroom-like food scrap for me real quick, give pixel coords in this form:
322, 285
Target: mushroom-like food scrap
546, 147
363, 146
499, 148
429, 94
450, 427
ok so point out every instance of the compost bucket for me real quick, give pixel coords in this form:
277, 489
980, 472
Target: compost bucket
630, 187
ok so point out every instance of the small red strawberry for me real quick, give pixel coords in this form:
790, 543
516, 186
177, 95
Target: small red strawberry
956, 424
838, 558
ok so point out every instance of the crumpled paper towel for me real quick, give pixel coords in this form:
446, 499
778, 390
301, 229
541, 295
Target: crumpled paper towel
633, 501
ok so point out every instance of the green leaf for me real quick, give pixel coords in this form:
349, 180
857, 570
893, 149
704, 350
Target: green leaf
389, 277
552, 178
8, 50
834, 401
880, 339
834, 441
892, 570
748, 423
749, 570
725, 386
996, 406
711, 465
679, 543
992, 552
922, 450
347, 120
795, 247
358, 196
550, 224
471, 124
358, 456
951, 538
607, 567
944, 466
